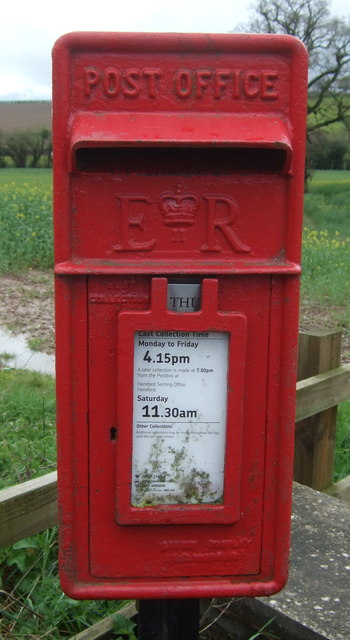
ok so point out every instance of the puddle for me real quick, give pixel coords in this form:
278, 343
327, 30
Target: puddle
19, 356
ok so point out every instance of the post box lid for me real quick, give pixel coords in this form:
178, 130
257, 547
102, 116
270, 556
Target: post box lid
96, 130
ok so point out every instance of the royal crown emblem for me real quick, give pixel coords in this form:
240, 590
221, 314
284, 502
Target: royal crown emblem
178, 208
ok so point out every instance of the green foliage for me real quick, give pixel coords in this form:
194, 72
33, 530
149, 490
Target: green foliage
326, 244
35, 344
342, 449
27, 425
327, 39
123, 628
329, 150
326, 263
26, 147
33, 605
26, 235
35, 177
264, 632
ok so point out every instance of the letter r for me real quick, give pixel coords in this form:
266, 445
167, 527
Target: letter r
223, 225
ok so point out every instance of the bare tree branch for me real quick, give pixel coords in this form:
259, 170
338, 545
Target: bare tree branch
328, 42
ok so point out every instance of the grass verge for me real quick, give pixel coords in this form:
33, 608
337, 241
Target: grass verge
342, 447
325, 281
33, 605
27, 425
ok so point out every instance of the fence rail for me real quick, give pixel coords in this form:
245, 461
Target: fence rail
323, 384
321, 392
28, 508
31, 507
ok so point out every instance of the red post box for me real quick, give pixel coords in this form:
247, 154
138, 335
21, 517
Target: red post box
179, 172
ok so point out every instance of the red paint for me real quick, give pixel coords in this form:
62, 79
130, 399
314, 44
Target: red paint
176, 155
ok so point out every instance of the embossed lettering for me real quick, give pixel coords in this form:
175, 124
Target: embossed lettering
128, 83
132, 89
235, 90
111, 82
251, 84
183, 83
216, 223
202, 82
221, 81
178, 235
129, 221
268, 85
221, 213
91, 79
152, 75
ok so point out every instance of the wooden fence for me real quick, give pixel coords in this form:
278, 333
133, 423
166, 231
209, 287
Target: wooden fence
323, 383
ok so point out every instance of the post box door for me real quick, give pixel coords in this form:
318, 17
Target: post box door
169, 543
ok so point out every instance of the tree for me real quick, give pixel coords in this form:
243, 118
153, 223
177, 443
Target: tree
2, 153
39, 144
328, 42
15, 146
328, 150
23, 146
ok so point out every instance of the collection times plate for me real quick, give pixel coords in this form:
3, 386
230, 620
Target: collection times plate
179, 417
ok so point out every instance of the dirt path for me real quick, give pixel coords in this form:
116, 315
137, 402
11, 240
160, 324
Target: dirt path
26, 306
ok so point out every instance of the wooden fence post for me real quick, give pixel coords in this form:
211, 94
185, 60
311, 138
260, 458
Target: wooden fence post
319, 351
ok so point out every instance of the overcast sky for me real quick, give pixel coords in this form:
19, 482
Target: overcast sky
28, 29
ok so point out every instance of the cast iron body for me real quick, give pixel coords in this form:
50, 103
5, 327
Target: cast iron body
176, 156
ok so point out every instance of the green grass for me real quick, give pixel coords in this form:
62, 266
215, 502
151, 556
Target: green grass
27, 425
326, 244
327, 203
329, 177
326, 273
342, 449
33, 605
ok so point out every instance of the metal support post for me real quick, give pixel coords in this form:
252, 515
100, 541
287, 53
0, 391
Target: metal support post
168, 619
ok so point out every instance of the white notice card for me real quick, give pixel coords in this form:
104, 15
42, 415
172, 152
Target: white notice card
179, 417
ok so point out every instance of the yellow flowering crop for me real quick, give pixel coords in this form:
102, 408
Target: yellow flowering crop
25, 225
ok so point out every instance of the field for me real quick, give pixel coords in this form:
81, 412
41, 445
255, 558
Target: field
25, 219
326, 244
28, 570
31, 116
